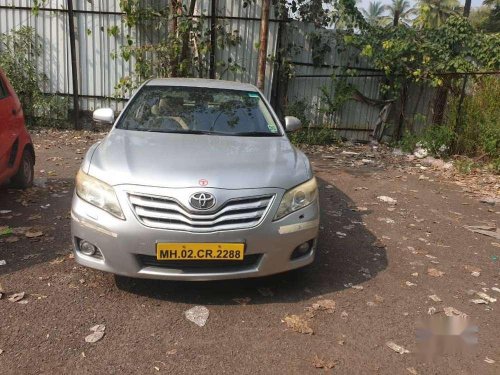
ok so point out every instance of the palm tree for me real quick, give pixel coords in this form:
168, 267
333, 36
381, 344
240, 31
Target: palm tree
400, 10
433, 13
374, 13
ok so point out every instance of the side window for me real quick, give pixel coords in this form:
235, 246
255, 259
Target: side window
3, 90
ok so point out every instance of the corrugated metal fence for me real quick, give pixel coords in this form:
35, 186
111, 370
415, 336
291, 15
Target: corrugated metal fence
99, 71
355, 120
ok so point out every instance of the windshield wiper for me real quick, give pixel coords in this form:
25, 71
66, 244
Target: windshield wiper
197, 132
255, 134
208, 132
175, 131
149, 130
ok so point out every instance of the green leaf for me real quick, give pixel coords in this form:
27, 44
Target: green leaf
113, 30
5, 231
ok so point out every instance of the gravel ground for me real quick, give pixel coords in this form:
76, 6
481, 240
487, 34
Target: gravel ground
377, 265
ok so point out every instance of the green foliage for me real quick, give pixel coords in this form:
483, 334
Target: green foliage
480, 120
37, 4
477, 134
346, 16
374, 13
440, 41
113, 30
307, 134
407, 54
433, 13
437, 140
182, 51
330, 104
310, 11
464, 165
486, 18
320, 48
19, 51
408, 142
298, 109
493, 23
314, 136
400, 11
494, 165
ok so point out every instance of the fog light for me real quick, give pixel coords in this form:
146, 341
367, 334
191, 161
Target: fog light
87, 248
302, 250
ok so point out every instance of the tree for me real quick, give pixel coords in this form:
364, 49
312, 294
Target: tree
492, 25
374, 13
479, 17
400, 11
433, 13
315, 11
19, 51
421, 55
344, 15
467, 6
178, 42
487, 17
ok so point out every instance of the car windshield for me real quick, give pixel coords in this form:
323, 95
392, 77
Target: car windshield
199, 110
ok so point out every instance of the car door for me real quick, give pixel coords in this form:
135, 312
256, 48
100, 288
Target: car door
7, 133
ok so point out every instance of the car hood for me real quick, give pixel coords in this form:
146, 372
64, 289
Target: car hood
182, 160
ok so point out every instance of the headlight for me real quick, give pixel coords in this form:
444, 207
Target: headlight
98, 193
297, 198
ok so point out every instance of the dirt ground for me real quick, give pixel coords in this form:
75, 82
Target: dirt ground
376, 267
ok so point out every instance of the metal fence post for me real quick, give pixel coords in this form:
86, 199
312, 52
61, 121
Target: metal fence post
74, 69
264, 32
213, 37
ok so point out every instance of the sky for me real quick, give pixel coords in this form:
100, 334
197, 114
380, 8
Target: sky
364, 3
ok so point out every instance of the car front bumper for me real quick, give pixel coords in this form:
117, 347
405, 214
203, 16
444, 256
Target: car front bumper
128, 247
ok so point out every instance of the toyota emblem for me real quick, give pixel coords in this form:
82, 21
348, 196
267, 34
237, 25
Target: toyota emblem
202, 201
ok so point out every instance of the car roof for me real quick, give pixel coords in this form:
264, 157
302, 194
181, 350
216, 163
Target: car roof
200, 82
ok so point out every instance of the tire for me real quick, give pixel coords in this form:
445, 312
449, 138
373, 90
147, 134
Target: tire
23, 179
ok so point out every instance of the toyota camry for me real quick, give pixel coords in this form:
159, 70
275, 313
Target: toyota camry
196, 180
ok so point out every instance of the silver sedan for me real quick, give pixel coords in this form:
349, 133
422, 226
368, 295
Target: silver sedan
197, 180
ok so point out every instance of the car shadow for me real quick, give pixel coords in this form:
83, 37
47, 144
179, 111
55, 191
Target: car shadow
43, 208
347, 255
341, 261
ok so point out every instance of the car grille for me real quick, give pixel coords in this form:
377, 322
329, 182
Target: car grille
167, 213
202, 266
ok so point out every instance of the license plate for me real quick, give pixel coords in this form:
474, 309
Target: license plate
199, 251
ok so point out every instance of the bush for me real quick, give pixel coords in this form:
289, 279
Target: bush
409, 142
494, 166
298, 109
464, 165
436, 139
309, 135
477, 134
480, 119
18, 58
315, 136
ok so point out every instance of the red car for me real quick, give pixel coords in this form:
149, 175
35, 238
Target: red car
17, 155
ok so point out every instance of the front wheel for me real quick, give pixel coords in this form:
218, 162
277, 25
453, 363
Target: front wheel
23, 179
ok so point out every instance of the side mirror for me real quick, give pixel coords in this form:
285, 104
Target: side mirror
104, 115
292, 123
